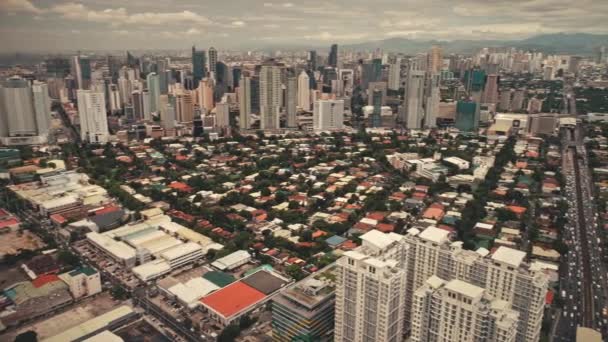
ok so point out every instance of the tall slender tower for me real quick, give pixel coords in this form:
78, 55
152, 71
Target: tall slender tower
304, 91
198, 65
394, 75
270, 96
153, 83
93, 116
212, 60
290, 99
414, 92
244, 102
333, 56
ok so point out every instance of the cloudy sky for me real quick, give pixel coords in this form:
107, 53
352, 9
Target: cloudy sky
30, 25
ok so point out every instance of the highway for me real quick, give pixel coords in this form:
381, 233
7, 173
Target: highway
582, 274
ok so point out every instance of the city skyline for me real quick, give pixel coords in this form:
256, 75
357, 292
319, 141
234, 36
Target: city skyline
107, 24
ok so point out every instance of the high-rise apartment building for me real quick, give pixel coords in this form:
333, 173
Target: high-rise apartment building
184, 106
304, 91
212, 60
290, 99
328, 115
458, 311
414, 99
394, 75
24, 112
153, 83
244, 102
435, 59
504, 275
270, 96
93, 117
370, 291
432, 97
222, 115
81, 71
395, 285
490, 92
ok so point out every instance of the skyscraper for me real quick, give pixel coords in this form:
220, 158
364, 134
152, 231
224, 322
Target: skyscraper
467, 116
244, 102
138, 105
376, 101
270, 96
222, 115
394, 75
290, 98
333, 56
114, 98
93, 116
503, 274
81, 71
328, 115
153, 83
24, 111
395, 283
184, 106
198, 65
435, 59
312, 60
438, 304
432, 97
304, 91
205, 95
490, 94
371, 289
212, 60
414, 92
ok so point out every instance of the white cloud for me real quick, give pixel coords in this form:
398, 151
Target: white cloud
288, 4
326, 36
238, 23
193, 31
120, 15
17, 6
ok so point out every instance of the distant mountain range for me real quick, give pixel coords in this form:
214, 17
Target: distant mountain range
570, 43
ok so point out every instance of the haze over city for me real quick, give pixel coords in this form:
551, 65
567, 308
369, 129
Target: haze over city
35, 25
304, 171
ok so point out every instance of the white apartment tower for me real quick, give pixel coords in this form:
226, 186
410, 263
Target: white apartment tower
328, 115
222, 115
244, 102
290, 106
304, 91
414, 99
432, 99
270, 96
394, 75
458, 311
503, 275
212, 60
93, 116
370, 290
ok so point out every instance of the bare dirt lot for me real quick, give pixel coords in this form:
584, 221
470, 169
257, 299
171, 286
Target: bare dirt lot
12, 242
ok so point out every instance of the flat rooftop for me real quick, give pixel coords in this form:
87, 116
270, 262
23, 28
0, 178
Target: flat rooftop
509, 256
265, 282
233, 299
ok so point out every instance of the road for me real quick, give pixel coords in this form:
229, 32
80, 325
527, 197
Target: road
582, 274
